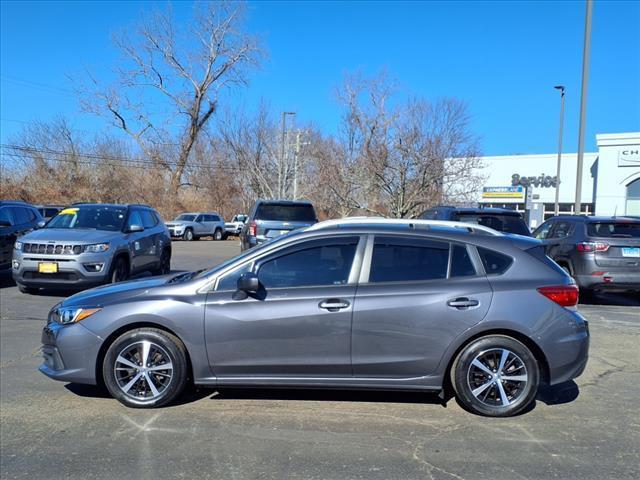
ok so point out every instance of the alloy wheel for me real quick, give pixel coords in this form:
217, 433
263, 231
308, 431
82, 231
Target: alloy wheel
143, 370
497, 377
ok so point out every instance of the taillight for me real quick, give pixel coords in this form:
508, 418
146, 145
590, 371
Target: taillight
563, 295
592, 247
253, 228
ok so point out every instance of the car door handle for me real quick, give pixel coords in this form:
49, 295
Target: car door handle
334, 304
463, 302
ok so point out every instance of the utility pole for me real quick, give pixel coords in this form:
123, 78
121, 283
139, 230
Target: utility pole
556, 209
586, 53
296, 156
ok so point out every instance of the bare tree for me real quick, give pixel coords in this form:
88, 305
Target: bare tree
404, 157
169, 84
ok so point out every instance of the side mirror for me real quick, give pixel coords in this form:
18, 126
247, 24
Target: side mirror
135, 228
248, 282
41, 223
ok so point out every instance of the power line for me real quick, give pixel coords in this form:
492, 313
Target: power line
93, 159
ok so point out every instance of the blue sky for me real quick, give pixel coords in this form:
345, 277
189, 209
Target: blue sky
503, 58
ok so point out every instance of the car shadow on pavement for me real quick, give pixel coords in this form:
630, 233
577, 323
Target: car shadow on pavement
565, 392
609, 298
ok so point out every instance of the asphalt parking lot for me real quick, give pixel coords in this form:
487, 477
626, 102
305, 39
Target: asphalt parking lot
587, 429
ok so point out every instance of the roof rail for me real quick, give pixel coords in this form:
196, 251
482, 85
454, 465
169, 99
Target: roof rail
411, 223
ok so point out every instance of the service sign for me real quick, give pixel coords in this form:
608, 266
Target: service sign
629, 157
503, 192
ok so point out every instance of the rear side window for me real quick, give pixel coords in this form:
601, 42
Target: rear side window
562, 229
286, 213
461, 265
494, 263
406, 260
501, 223
614, 229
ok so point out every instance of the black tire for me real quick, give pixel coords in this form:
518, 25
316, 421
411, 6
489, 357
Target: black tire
28, 290
165, 263
163, 346
119, 270
467, 378
187, 236
218, 235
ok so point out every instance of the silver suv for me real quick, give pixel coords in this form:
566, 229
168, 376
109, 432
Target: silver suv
192, 226
91, 244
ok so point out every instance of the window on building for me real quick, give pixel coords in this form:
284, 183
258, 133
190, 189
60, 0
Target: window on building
633, 198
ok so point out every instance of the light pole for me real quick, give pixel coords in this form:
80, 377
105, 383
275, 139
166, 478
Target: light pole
282, 165
556, 209
586, 53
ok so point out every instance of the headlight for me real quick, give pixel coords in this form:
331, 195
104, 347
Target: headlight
18, 246
67, 315
96, 248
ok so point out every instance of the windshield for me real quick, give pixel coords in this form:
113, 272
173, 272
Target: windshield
501, 223
286, 213
185, 217
96, 217
614, 229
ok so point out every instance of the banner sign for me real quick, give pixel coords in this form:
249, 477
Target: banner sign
503, 192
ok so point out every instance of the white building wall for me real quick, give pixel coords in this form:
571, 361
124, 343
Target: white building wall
618, 166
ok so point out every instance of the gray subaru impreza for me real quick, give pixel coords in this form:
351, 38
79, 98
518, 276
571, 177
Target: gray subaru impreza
350, 304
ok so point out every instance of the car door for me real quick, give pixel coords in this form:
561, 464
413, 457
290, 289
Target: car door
138, 242
201, 225
7, 236
298, 325
152, 239
557, 244
415, 296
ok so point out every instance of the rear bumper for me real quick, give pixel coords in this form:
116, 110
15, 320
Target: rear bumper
610, 281
570, 353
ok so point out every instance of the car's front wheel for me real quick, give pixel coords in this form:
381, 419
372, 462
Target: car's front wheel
496, 376
187, 235
145, 368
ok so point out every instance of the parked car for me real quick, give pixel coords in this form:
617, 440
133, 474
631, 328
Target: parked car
269, 219
355, 303
91, 244
600, 253
16, 219
501, 219
49, 211
193, 226
234, 227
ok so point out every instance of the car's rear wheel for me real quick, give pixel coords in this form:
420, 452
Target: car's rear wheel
145, 368
187, 235
217, 235
496, 376
119, 270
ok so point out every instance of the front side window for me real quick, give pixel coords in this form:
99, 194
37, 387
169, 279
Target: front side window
229, 281
320, 265
95, 217
134, 219
5, 217
148, 219
494, 263
406, 260
543, 231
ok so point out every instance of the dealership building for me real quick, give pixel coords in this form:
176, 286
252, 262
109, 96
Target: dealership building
610, 180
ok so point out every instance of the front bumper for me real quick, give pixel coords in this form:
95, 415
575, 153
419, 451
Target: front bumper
610, 281
70, 353
71, 270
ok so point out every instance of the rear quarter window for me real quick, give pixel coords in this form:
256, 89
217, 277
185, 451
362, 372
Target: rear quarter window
495, 263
